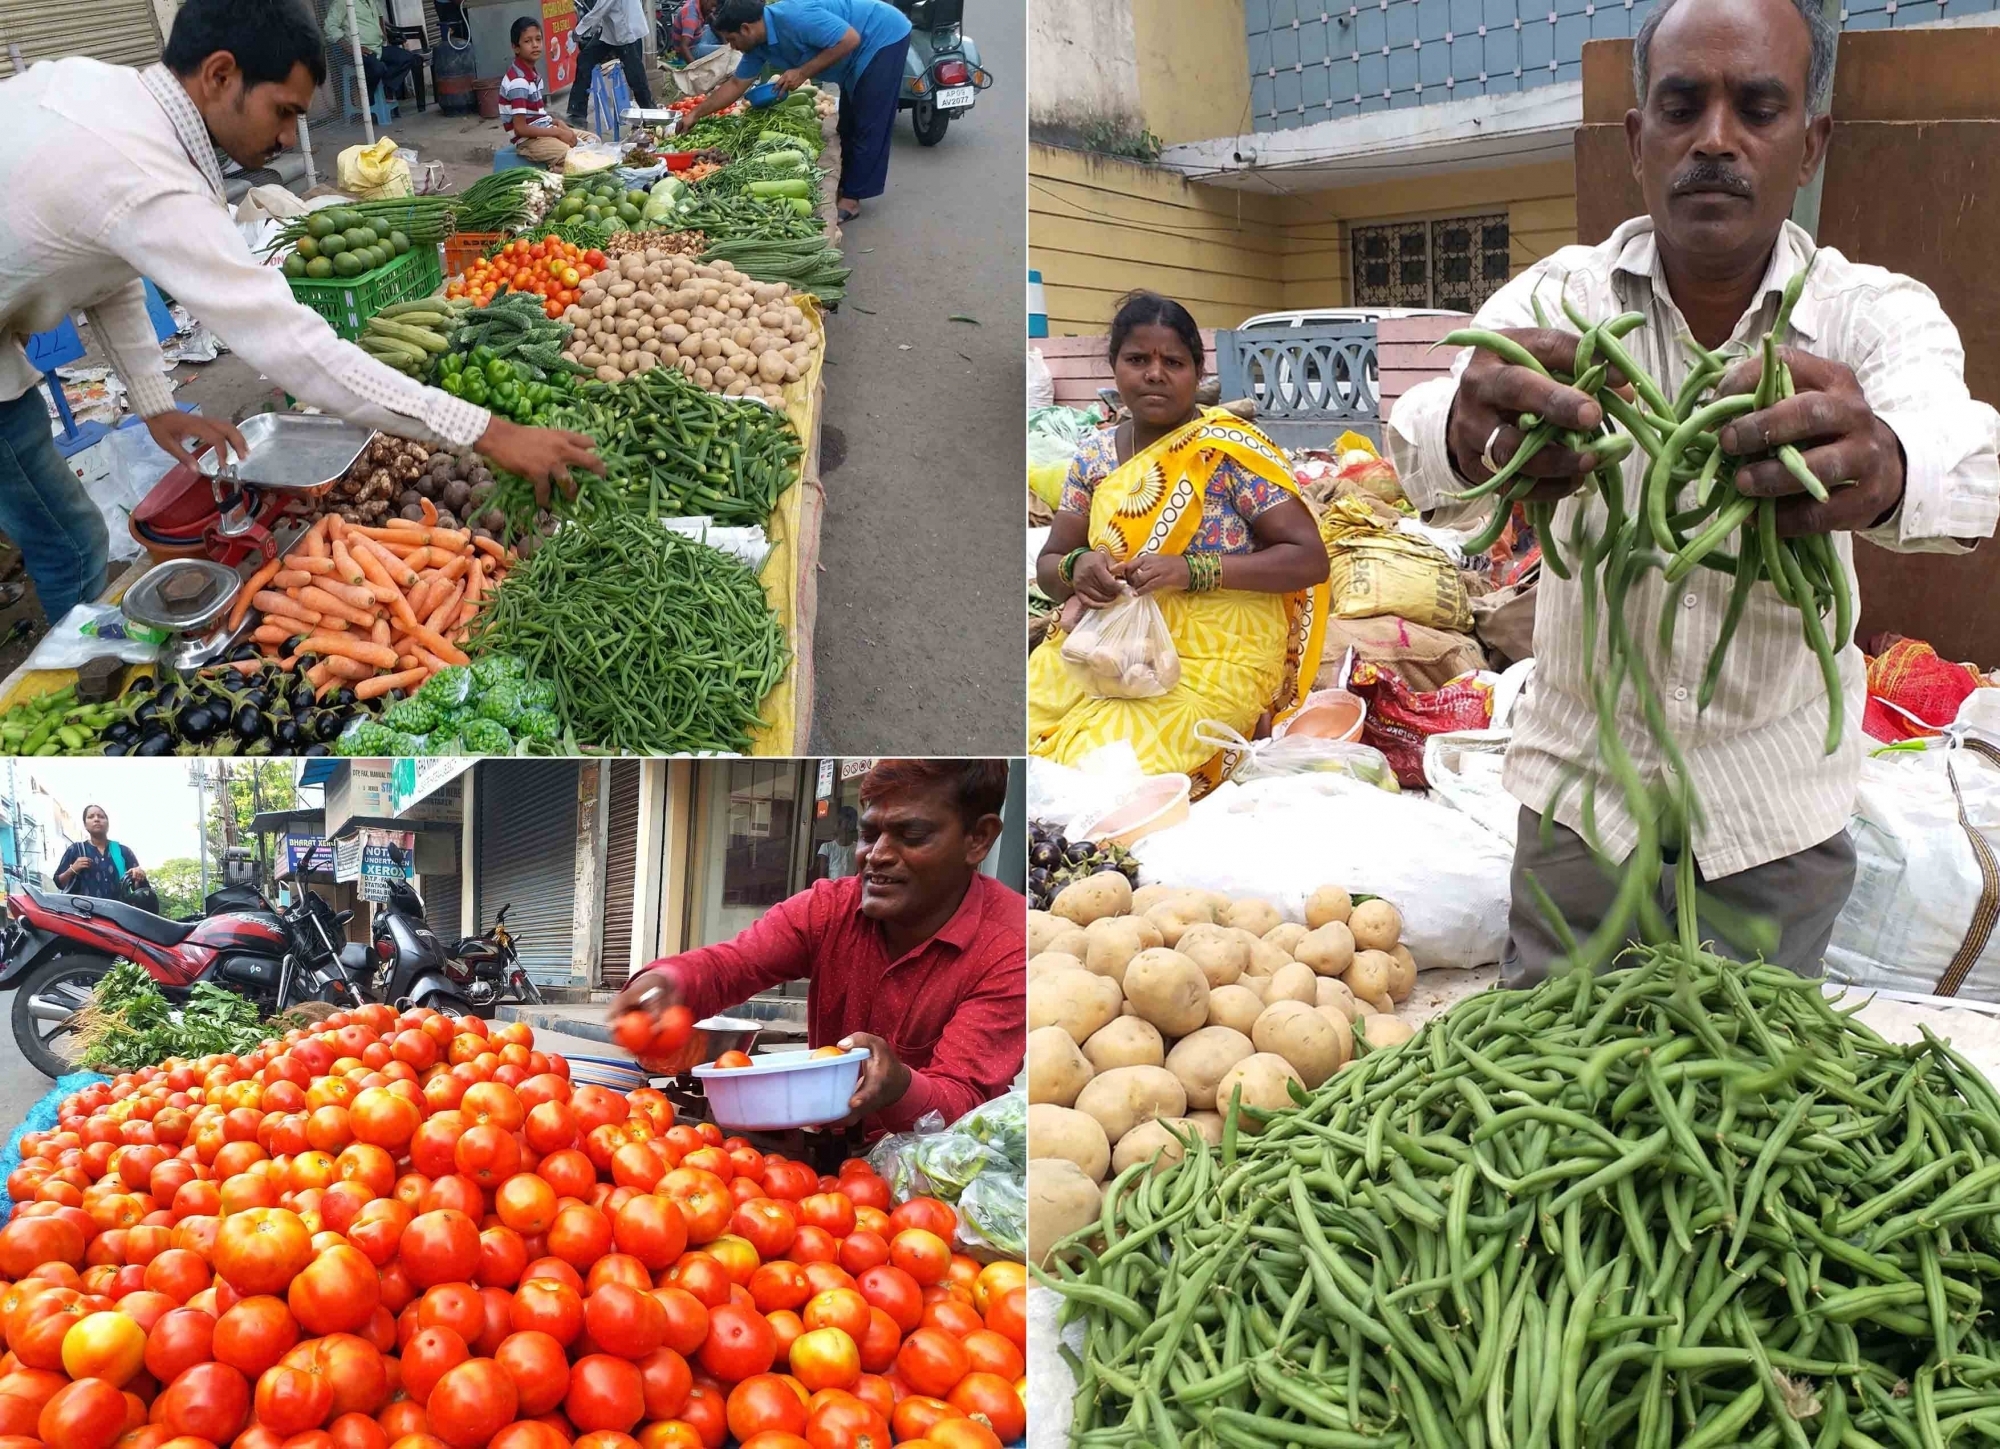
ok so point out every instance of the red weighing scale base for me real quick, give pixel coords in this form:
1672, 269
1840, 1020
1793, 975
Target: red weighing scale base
179, 518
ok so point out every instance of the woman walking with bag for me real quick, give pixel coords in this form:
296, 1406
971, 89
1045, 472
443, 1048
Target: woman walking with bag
98, 866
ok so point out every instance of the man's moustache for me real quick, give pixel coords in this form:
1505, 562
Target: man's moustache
1708, 176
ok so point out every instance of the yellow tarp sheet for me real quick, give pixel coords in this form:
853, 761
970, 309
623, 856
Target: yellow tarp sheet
788, 573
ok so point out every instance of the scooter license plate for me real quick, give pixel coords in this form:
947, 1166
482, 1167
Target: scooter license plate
955, 99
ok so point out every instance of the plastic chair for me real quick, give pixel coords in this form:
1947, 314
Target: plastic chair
350, 110
610, 98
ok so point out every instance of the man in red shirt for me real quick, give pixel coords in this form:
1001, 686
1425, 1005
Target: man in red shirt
917, 956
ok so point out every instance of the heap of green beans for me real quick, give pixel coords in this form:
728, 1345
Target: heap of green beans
1685, 1203
656, 645
671, 449
1681, 437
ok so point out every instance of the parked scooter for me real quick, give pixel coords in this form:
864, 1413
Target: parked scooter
942, 76
57, 946
468, 978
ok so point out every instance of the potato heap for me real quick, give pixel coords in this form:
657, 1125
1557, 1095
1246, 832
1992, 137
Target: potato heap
728, 332
1147, 1009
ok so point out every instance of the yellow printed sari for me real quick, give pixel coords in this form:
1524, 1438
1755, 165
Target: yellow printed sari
1242, 654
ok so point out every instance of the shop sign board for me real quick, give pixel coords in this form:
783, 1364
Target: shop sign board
412, 781
559, 43
304, 851
367, 789
370, 856
850, 769
825, 787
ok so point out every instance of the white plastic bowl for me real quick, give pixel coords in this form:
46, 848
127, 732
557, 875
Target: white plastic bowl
781, 1089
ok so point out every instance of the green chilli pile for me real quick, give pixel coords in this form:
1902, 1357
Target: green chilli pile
1686, 1203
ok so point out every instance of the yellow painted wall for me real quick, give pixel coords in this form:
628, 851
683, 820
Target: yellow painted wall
1099, 227
1540, 202
1194, 68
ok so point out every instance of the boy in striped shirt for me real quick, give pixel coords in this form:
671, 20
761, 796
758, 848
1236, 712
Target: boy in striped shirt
538, 136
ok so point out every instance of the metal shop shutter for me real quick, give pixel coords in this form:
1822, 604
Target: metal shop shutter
441, 900
527, 859
123, 32
621, 869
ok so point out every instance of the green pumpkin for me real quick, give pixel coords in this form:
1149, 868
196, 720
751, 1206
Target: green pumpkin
628, 213
369, 236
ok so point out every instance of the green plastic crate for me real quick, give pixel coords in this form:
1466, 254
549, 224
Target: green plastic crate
348, 302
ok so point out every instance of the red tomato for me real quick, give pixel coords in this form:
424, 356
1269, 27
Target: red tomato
652, 1229
546, 1306
878, 1348
687, 1319
471, 1403
861, 1250
87, 1414
539, 1368
666, 1379
779, 1285
767, 1224
336, 1292
605, 1393
1007, 1315
895, 1292
831, 1212
932, 1361
740, 1343
184, 1337
210, 1401
624, 1321
764, 1402
292, 1400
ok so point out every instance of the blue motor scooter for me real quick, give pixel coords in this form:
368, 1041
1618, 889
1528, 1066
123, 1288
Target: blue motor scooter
942, 76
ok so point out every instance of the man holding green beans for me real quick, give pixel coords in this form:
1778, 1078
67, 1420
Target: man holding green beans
1731, 122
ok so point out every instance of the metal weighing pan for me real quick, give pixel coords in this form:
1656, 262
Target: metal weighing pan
292, 452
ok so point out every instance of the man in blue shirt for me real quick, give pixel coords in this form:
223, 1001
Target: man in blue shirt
858, 45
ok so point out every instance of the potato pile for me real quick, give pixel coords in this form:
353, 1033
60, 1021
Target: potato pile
728, 332
393, 476
1147, 1009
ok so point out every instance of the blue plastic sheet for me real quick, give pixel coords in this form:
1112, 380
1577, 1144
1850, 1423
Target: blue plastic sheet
41, 1117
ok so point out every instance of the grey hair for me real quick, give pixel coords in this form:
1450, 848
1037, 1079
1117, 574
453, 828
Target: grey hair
1819, 71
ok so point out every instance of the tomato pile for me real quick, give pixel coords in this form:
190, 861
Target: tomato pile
413, 1232
551, 268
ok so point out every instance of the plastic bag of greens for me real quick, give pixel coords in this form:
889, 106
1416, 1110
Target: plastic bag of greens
448, 688
993, 1215
893, 1158
950, 1160
1002, 1124
364, 737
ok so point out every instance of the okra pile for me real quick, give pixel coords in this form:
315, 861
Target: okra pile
1686, 1202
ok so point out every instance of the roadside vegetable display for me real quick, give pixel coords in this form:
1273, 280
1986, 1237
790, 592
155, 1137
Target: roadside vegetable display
672, 316
415, 1231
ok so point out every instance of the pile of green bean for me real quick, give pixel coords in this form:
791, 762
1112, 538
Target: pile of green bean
671, 449
1680, 435
656, 645
1687, 1202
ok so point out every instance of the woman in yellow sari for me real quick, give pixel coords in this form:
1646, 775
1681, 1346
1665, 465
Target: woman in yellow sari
1199, 510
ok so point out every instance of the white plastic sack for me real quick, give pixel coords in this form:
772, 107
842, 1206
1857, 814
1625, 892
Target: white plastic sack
1282, 838
747, 544
1463, 767
1917, 883
1100, 781
1041, 384
91, 631
1123, 650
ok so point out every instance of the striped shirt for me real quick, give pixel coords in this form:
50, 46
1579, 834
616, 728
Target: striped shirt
1757, 754
521, 97
688, 24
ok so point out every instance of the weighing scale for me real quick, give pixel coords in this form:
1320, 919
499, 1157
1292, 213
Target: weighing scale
185, 599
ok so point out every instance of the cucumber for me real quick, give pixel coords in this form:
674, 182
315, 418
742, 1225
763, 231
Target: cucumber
432, 305
417, 337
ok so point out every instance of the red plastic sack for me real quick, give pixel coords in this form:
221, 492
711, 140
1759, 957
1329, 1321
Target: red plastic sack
1400, 719
1912, 693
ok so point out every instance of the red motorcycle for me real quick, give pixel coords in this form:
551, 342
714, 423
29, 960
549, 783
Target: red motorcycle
57, 946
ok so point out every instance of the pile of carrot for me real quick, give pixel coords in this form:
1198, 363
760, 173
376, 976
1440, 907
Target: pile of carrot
380, 608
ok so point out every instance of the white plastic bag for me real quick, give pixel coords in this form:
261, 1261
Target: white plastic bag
1123, 650
1918, 889
1281, 838
91, 631
1463, 767
1103, 779
1298, 755
1041, 384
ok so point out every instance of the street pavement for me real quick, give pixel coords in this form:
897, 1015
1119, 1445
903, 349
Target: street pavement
920, 645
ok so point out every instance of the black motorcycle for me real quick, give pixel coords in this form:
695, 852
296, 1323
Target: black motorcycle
468, 978
57, 947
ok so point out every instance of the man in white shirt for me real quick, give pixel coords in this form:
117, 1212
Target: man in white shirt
111, 174
1732, 121
611, 30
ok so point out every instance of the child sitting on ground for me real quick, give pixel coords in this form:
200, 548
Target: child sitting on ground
538, 137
